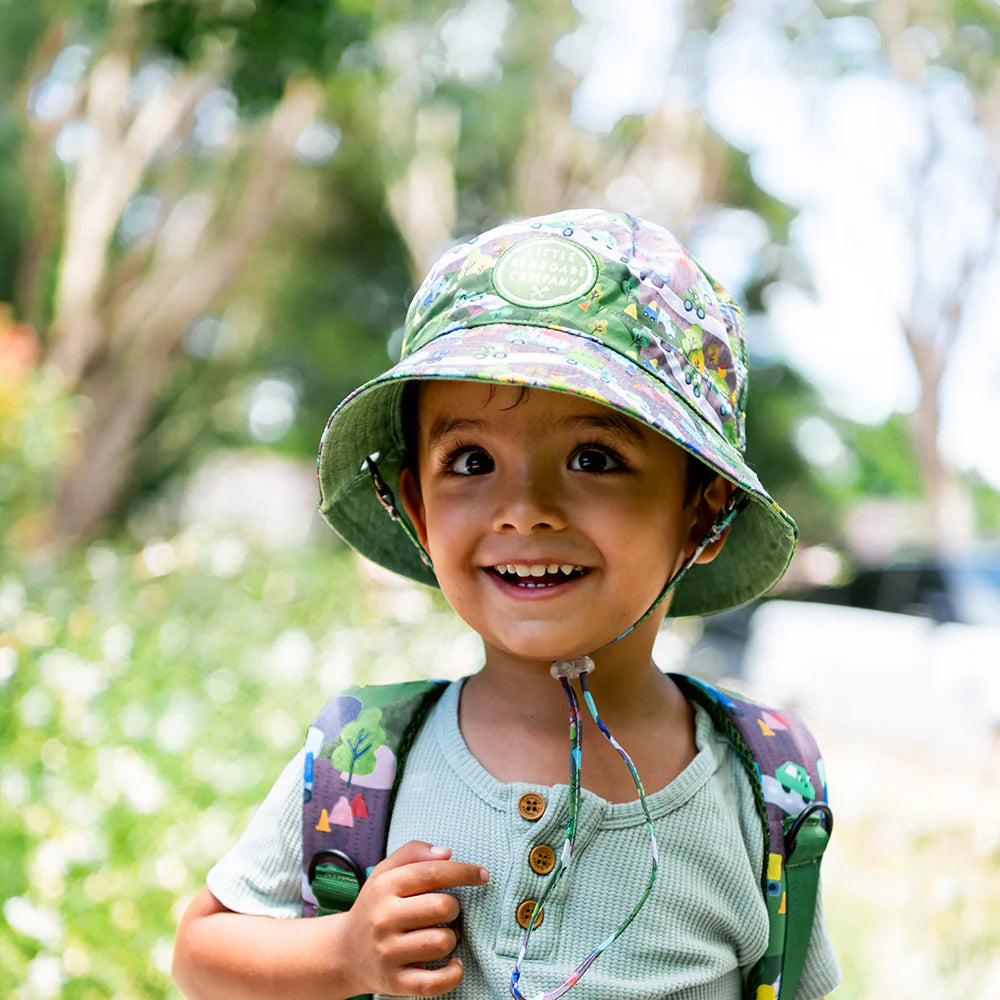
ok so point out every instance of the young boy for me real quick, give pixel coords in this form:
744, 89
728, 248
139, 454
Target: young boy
561, 451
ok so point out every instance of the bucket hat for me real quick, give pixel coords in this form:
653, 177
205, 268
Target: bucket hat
606, 306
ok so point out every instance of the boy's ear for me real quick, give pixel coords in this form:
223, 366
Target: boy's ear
709, 500
413, 502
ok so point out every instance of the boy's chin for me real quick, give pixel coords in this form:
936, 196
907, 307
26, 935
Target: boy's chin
542, 653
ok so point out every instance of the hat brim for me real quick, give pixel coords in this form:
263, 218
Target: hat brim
760, 542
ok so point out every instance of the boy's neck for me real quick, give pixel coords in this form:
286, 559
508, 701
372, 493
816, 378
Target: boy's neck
625, 680
513, 718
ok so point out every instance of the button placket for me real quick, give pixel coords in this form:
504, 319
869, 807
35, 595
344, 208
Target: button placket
537, 819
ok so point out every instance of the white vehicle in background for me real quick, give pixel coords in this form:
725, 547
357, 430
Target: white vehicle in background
906, 651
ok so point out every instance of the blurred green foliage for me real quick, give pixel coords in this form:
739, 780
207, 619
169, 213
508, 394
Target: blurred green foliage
36, 422
13, 222
142, 718
274, 39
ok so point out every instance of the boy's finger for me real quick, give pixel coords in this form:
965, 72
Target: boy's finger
410, 852
418, 982
430, 909
428, 944
427, 876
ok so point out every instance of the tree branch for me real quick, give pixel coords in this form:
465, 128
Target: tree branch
186, 280
422, 201
106, 178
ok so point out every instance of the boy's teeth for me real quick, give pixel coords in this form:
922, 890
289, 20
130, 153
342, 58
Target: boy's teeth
537, 569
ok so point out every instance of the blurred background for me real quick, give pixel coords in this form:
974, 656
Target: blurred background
212, 216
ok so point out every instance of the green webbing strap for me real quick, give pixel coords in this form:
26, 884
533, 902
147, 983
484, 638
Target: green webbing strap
793, 845
802, 887
334, 875
335, 888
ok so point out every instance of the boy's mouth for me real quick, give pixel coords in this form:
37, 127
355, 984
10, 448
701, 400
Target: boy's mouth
533, 576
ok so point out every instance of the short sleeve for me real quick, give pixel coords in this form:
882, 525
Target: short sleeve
261, 874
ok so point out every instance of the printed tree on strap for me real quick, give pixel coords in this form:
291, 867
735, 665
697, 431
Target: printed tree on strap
359, 741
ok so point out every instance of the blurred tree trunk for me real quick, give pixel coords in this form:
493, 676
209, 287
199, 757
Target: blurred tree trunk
421, 200
118, 318
931, 329
932, 323
950, 508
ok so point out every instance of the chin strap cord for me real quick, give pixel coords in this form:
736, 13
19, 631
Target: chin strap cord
388, 502
727, 514
564, 671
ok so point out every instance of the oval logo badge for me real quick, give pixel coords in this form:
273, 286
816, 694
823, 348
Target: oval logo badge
544, 272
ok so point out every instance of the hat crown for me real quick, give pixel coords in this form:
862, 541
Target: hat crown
614, 279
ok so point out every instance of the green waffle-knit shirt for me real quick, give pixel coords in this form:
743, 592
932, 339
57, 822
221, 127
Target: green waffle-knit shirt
702, 928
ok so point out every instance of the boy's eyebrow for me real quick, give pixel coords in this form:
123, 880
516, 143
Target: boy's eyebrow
616, 423
611, 422
451, 425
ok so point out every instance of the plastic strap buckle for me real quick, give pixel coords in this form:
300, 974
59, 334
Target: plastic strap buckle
339, 858
816, 808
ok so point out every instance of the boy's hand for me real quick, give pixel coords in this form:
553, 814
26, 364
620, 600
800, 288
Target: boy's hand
394, 924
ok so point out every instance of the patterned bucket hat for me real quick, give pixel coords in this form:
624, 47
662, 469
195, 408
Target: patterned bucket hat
607, 306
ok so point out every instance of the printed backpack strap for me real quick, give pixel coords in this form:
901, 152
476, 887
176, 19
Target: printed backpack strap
788, 778
354, 755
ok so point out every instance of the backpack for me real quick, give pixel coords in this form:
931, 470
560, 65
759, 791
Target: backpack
357, 745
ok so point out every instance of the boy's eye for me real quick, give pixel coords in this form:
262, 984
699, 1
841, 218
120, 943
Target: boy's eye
470, 462
593, 459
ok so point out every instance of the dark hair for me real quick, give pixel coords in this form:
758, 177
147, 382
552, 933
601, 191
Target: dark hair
697, 475
408, 417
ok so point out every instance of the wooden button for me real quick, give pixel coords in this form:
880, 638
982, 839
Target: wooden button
531, 806
542, 859
524, 912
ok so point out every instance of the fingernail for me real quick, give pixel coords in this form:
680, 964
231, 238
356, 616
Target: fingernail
440, 852
484, 875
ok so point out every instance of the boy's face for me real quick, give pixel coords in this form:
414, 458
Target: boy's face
553, 522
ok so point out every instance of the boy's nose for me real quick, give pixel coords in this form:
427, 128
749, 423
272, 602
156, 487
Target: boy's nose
529, 501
